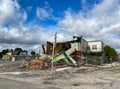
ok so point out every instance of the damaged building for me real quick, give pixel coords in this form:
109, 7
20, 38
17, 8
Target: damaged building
71, 51
79, 44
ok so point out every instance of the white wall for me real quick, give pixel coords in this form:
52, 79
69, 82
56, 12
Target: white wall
96, 46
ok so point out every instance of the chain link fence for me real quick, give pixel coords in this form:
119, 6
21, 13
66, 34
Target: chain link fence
103, 61
24, 57
97, 62
19, 57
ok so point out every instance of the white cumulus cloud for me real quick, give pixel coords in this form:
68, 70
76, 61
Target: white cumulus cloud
11, 13
102, 22
43, 13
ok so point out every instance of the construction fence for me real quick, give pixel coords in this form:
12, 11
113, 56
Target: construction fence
25, 57
19, 57
95, 62
102, 60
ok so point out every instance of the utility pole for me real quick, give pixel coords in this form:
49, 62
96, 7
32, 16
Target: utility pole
53, 52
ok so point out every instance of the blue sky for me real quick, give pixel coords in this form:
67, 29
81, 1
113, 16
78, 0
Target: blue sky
30, 23
57, 7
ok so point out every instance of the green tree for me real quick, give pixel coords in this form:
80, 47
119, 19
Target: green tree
33, 53
18, 51
1, 55
110, 51
5, 51
24, 52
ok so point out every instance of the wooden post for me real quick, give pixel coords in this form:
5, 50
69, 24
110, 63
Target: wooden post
43, 48
53, 52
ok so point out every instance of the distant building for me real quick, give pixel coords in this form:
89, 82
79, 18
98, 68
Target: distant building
96, 46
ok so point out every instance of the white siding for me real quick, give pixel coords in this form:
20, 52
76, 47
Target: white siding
96, 46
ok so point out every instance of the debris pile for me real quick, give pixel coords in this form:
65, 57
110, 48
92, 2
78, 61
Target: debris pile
68, 53
42, 62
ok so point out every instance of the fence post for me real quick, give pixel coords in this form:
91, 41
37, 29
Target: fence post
86, 61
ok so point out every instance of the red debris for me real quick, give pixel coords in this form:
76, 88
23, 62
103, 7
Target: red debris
88, 65
39, 64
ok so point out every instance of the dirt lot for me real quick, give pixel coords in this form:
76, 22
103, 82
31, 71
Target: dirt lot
42, 79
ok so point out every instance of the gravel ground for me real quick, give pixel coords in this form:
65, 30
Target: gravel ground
108, 78
13, 84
